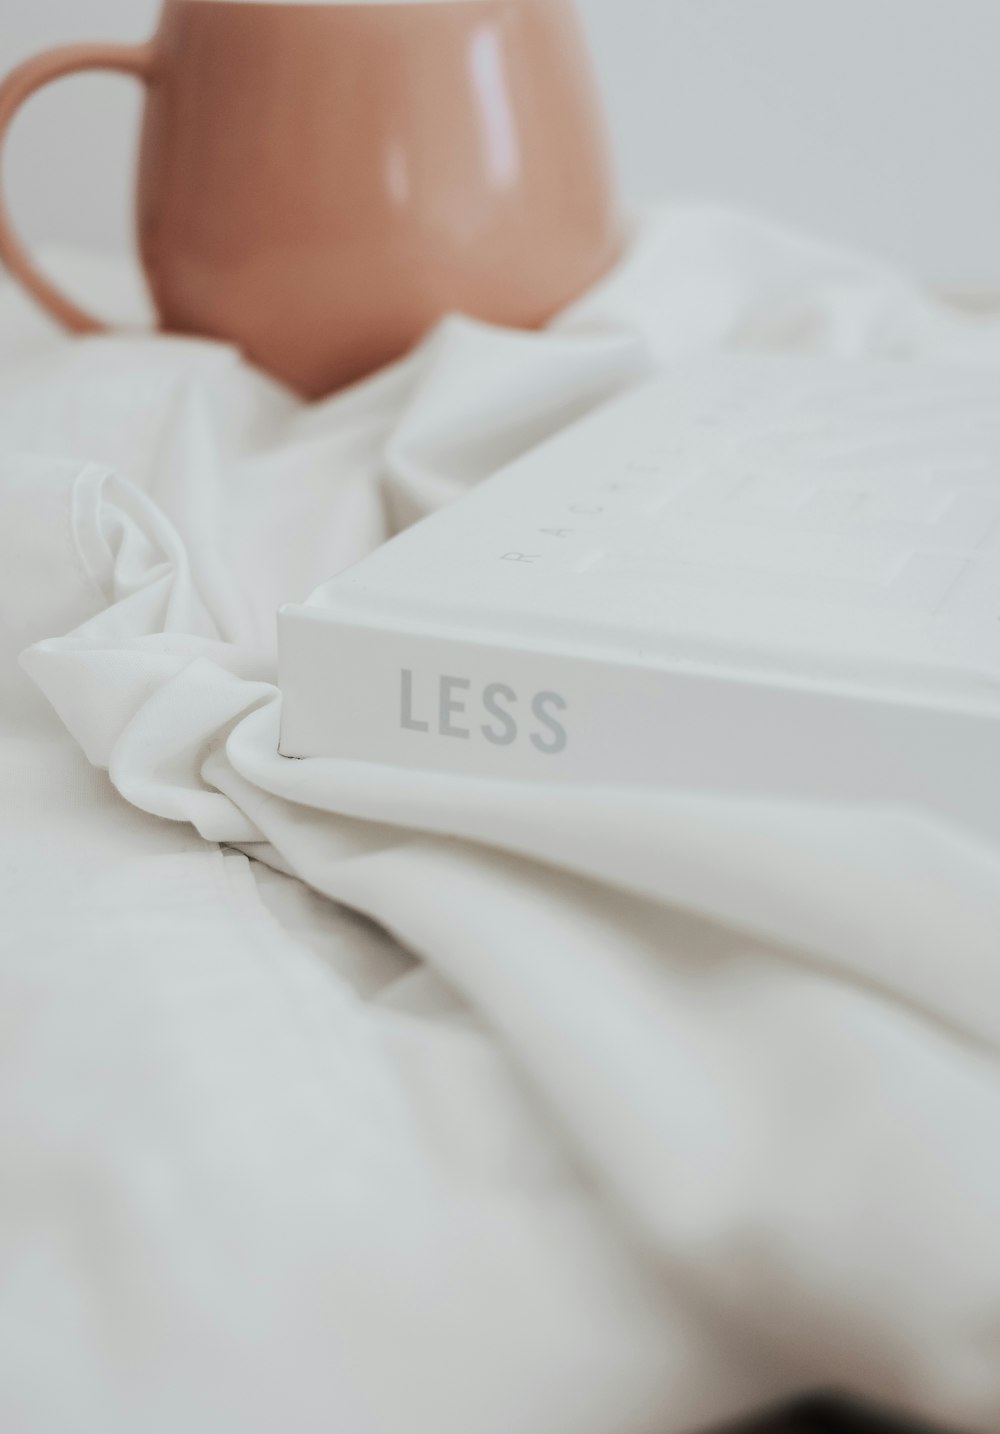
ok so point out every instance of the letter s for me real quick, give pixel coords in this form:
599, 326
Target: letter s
507, 734
558, 741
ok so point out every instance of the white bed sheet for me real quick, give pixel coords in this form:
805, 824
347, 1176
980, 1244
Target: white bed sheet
650, 1110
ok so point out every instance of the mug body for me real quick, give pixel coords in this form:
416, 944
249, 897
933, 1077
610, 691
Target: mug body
319, 182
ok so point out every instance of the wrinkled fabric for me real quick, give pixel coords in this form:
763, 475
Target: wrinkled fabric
341, 1097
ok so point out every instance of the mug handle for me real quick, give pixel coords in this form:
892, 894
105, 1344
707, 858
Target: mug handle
20, 84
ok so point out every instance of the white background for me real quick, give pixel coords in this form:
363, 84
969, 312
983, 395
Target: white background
872, 121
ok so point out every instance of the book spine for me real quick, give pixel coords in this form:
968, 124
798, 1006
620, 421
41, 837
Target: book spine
439, 703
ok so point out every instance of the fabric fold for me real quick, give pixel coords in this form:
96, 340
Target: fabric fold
755, 1042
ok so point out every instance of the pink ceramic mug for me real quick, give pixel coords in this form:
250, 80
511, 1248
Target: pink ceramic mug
320, 181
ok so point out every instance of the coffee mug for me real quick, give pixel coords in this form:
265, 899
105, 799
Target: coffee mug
320, 181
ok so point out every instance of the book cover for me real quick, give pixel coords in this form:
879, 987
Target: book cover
776, 576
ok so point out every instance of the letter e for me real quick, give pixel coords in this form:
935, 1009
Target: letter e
451, 708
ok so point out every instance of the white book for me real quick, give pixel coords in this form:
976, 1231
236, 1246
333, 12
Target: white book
775, 577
